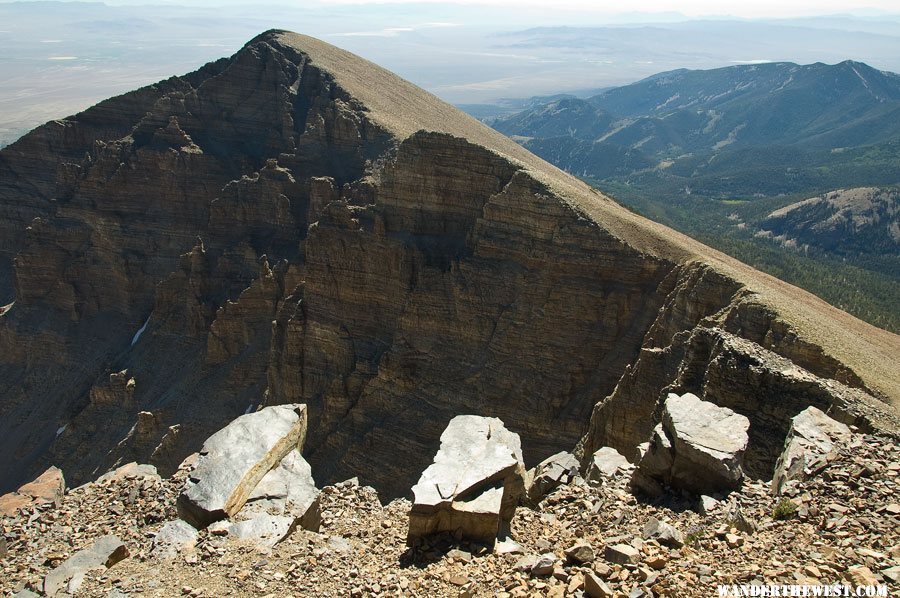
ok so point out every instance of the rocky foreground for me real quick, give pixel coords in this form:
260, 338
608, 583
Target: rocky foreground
593, 538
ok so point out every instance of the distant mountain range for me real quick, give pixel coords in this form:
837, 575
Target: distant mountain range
747, 158
687, 123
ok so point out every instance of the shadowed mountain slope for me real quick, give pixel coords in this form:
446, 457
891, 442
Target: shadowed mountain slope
296, 224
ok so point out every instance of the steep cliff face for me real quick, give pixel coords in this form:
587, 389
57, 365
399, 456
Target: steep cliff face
294, 224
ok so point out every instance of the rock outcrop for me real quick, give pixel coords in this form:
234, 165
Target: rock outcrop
48, 488
698, 447
294, 224
809, 443
844, 528
472, 488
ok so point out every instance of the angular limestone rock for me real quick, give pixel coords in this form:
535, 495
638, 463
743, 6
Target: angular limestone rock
173, 538
606, 463
236, 458
549, 474
580, 553
67, 577
697, 447
288, 490
474, 484
811, 438
284, 499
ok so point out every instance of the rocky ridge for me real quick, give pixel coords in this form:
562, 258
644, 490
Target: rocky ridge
296, 225
840, 526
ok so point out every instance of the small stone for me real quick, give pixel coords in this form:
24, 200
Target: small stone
526, 563
861, 576
601, 569
580, 553
576, 582
663, 533
707, 504
508, 546
812, 571
594, 587
606, 463
734, 540
892, 573
544, 565
657, 562
621, 554
460, 555
173, 538
104, 553
459, 580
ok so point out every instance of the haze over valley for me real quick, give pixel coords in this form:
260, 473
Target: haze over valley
61, 57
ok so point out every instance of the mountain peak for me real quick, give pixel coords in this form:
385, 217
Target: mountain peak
295, 224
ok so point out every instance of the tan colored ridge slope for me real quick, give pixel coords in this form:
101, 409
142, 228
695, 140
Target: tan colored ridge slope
403, 108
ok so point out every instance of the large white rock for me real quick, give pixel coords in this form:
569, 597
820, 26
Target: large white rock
235, 459
473, 485
284, 499
698, 446
289, 490
811, 438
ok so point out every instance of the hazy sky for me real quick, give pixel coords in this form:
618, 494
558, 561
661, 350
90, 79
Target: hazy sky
59, 58
754, 8
692, 8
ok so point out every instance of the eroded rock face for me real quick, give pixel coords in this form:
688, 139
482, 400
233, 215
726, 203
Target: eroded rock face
474, 484
295, 225
697, 447
812, 437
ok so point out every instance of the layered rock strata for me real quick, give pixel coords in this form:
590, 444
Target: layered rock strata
294, 224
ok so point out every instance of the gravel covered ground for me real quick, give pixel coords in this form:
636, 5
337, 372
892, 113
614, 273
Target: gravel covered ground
846, 529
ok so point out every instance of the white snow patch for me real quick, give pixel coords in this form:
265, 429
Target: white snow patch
138, 334
61, 430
